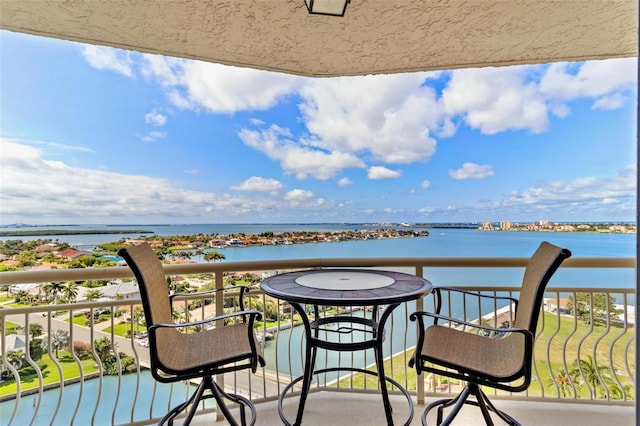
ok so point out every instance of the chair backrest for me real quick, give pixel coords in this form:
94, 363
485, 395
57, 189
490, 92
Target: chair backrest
154, 292
542, 265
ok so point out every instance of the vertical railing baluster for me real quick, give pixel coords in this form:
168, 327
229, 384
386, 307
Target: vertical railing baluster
54, 359
100, 365
615, 340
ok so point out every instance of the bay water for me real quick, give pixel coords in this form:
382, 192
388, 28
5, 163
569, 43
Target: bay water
440, 243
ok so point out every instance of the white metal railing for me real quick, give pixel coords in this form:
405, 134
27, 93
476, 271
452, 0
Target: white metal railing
602, 343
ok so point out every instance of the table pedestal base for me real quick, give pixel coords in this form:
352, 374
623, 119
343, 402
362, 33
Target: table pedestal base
355, 370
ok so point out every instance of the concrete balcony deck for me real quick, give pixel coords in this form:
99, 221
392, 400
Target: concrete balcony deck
365, 409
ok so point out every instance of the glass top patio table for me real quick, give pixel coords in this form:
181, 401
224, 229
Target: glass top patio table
345, 287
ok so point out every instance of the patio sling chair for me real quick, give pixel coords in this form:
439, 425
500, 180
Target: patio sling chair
178, 355
498, 358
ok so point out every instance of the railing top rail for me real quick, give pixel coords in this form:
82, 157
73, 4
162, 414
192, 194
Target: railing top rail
22, 277
80, 306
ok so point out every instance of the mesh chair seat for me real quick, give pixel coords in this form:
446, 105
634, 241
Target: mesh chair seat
499, 358
204, 350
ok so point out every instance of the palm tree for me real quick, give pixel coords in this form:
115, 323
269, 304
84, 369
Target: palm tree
618, 393
93, 294
199, 253
53, 289
103, 348
566, 382
137, 315
15, 358
596, 377
59, 340
70, 291
35, 330
213, 255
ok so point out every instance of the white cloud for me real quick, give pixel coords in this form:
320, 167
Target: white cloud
593, 79
298, 195
256, 183
615, 101
155, 118
425, 184
191, 171
472, 171
167, 71
34, 187
53, 146
495, 99
153, 136
110, 59
345, 181
302, 161
427, 210
589, 190
379, 172
219, 88
390, 119
389, 116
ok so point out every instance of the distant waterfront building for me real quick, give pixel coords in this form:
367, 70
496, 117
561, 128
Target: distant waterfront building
505, 225
487, 225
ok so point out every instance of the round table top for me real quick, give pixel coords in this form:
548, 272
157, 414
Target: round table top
346, 287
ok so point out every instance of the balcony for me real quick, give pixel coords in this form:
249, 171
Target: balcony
101, 394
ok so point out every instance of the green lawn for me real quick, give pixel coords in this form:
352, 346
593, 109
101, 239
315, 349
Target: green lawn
69, 366
79, 319
122, 329
19, 305
11, 327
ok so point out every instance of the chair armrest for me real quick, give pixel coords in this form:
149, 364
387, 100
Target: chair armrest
438, 296
203, 294
419, 316
253, 315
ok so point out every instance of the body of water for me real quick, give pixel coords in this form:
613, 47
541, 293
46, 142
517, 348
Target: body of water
134, 401
440, 243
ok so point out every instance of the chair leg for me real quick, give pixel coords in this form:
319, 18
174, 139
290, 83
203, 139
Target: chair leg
220, 396
489, 405
441, 404
482, 401
179, 408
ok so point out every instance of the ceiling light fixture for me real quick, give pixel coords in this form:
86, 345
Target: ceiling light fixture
327, 7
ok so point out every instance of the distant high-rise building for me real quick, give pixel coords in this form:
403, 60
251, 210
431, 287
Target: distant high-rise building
505, 225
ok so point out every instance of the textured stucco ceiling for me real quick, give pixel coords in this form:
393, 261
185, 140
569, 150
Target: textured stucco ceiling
375, 36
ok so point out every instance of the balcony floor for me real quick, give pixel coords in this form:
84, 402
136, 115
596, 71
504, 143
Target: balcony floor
356, 409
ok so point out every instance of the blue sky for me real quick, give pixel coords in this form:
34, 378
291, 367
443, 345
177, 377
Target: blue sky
97, 135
